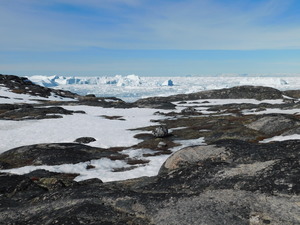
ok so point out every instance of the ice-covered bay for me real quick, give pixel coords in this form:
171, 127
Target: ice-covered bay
133, 87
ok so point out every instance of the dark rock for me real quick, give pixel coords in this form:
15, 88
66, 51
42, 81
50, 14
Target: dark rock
292, 93
160, 132
232, 182
51, 180
20, 112
85, 140
21, 85
289, 100
91, 95
239, 92
52, 154
189, 111
18, 187
89, 167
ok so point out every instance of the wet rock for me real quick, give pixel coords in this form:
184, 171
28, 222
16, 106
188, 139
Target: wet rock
85, 140
160, 132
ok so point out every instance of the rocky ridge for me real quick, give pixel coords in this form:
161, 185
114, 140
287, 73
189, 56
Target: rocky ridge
233, 179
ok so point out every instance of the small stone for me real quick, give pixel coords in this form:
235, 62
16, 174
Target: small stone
85, 140
91, 96
189, 110
88, 167
160, 132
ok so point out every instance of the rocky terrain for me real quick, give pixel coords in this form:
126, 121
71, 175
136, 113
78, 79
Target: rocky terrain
237, 177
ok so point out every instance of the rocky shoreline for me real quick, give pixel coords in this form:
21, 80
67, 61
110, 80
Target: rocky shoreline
237, 177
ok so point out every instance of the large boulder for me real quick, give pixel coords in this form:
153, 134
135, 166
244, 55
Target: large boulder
193, 155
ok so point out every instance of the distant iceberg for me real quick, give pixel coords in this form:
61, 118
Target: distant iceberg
168, 83
118, 80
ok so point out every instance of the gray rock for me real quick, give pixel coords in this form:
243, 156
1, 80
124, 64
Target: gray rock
292, 131
160, 132
193, 155
189, 110
273, 124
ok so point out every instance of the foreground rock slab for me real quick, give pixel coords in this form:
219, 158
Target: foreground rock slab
228, 182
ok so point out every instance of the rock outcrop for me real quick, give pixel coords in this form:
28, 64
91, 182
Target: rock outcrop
53, 154
252, 184
240, 92
21, 85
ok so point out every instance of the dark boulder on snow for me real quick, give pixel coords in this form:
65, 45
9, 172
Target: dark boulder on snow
85, 140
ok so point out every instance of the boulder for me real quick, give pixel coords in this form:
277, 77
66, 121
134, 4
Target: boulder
189, 111
193, 155
160, 132
85, 140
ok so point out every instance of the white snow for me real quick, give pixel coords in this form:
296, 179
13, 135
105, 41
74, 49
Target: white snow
281, 138
108, 133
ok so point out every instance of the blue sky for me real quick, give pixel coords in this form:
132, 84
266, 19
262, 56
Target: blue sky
149, 37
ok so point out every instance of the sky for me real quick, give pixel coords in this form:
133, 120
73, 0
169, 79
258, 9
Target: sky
149, 37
